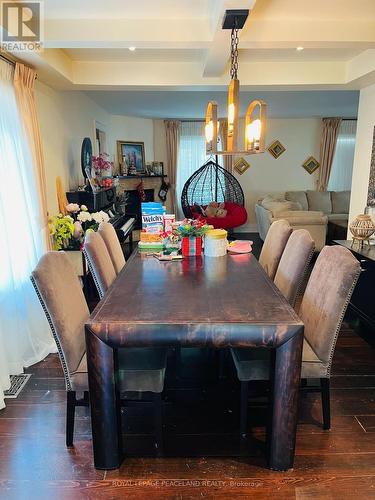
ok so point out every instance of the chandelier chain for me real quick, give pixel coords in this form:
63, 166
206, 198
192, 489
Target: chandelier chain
234, 53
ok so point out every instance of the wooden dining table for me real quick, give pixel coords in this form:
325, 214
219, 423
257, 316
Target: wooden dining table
214, 302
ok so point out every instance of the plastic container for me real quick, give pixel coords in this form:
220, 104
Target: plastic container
215, 243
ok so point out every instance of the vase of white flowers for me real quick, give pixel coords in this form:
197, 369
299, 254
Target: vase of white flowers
68, 231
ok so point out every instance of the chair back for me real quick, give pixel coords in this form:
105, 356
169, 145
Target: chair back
108, 233
294, 264
60, 294
326, 298
273, 246
99, 262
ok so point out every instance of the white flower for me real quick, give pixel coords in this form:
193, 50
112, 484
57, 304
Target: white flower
72, 207
105, 216
84, 208
97, 217
84, 217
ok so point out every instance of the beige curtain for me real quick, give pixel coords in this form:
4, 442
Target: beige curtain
327, 150
223, 131
24, 80
172, 133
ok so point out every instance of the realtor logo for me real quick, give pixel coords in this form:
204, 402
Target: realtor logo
21, 26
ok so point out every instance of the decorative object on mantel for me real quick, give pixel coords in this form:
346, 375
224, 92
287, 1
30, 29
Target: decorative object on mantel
131, 157
362, 228
163, 191
276, 149
68, 231
254, 129
241, 165
311, 164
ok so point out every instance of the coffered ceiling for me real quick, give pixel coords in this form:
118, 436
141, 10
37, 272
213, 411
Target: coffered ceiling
180, 45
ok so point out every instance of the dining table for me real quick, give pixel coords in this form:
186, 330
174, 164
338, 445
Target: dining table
212, 302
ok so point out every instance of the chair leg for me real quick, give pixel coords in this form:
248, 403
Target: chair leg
158, 409
325, 392
70, 413
243, 409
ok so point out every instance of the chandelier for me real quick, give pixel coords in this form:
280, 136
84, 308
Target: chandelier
255, 128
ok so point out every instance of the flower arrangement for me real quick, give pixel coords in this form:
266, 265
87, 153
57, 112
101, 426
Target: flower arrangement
68, 231
101, 162
190, 228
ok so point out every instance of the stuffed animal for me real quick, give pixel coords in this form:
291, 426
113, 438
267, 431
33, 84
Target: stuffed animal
215, 209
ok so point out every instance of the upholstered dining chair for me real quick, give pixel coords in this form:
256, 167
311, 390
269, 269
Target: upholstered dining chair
99, 262
60, 294
322, 310
294, 264
273, 246
108, 233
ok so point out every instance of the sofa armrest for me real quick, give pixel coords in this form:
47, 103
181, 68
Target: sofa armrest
263, 219
314, 222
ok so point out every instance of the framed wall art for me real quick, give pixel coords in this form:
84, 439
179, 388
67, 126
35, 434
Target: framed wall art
311, 164
131, 156
241, 165
276, 149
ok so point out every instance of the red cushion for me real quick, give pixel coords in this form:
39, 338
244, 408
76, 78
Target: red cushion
236, 216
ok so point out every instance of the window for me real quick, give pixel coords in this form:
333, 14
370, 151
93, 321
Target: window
342, 165
24, 334
191, 155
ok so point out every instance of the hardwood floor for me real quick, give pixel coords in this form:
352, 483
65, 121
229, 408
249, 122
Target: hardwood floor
204, 457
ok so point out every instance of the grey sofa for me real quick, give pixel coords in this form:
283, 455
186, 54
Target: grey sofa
311, 210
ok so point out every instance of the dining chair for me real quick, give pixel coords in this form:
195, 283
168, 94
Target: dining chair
322, 310
108, 233
99, 262
273, 246
141, 370
294, 264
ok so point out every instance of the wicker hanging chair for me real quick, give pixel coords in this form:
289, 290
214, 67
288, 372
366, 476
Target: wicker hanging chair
211, 182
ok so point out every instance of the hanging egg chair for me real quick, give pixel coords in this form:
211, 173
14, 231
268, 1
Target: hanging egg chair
212, 183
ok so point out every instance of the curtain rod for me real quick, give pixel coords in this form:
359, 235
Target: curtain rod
6, 59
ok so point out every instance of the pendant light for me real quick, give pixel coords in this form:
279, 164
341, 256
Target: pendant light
255, 128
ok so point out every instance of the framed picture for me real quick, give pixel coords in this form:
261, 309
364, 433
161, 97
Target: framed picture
311, 164
131, 155
276, 149
241, 165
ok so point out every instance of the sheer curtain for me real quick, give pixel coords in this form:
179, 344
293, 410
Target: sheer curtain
342, 165
191, 154
25, 337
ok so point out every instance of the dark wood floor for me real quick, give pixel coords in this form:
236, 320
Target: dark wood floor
204, 457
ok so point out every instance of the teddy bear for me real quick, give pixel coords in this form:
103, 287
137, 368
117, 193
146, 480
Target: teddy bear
215, 209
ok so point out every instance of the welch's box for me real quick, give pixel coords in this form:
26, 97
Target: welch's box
153, 217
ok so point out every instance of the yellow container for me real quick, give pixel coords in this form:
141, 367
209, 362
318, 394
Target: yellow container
215, 244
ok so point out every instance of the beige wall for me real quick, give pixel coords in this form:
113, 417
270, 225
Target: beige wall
129, 128
65, 119
301, 138
363, 148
